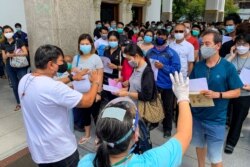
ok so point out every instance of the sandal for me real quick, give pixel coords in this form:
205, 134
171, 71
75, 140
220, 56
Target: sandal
84, 140
18, 107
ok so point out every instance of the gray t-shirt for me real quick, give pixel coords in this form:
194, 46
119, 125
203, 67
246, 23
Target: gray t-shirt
135, 80
93, 62
239, 64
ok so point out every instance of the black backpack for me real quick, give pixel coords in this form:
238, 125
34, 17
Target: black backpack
144, 143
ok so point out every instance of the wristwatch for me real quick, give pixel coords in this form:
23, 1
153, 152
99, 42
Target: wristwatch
70, 76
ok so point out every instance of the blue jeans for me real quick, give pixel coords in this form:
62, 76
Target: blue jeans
15, 75
70, 161
210, 136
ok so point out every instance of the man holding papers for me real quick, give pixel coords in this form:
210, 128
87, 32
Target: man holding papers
240, 58
223, 84
165, 61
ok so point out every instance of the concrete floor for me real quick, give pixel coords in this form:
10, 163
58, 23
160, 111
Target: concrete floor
12, 135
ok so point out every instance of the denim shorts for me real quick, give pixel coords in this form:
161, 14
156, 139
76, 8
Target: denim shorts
210, 136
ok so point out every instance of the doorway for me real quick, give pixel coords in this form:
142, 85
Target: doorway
109, 12
137, 14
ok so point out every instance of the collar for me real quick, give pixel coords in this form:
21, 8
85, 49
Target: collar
182, 43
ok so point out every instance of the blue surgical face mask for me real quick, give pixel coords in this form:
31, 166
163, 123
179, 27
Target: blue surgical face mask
230, 29
98, 25
148, 39
113, 44
86, 49
18, 29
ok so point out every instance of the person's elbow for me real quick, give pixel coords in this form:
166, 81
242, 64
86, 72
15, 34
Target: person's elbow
237, 93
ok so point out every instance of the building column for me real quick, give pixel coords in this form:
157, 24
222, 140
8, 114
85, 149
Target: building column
166, 14
97, 9
221, 10
211, 11
129, 13
153, 11
122, 11
57, 22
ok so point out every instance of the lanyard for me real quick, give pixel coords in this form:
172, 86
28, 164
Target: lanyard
123, 160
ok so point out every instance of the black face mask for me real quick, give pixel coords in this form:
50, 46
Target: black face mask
62, 68
160, 41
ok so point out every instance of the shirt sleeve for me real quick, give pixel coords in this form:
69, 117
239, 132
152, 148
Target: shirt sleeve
191, 53
74, 61
65, 96
175, 64
98, 62
168, 154
234, 81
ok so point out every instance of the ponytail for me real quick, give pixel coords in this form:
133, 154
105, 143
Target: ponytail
102, 156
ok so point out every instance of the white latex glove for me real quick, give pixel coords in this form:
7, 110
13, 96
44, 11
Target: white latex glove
180, 87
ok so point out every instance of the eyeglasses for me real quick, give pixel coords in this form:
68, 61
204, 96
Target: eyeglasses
179, 31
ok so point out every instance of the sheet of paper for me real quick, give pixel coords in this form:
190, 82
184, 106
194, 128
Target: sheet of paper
83, 85
196, 85
245, 76
155, 70
110, 88
106, 62
114, 83
199, 100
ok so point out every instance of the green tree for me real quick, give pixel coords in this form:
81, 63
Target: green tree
195, 9
230, 7
179, 8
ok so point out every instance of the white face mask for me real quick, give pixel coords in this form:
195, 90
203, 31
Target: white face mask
179, 36
187, 30
207, 52
242, 49
9, 35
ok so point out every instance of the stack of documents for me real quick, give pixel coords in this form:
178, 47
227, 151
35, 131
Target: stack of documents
197, 99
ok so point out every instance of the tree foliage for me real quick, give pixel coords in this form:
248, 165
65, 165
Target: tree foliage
195, 9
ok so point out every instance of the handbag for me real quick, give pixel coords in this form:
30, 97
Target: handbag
18, 61
152, 111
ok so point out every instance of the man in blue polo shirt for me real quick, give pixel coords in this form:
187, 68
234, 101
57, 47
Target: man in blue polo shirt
168, 62
223, 84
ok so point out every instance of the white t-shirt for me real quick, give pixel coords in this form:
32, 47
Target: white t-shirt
185, 51
46, 117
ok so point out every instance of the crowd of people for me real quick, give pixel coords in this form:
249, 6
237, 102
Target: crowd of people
128, 55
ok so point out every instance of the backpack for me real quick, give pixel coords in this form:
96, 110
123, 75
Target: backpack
144, 143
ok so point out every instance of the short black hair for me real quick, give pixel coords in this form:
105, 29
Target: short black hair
162, 32
233, 16
133, 49
7, 27
149, 31
98, 21
18, 25
46, 53
103, 28
120, 23
114, 33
